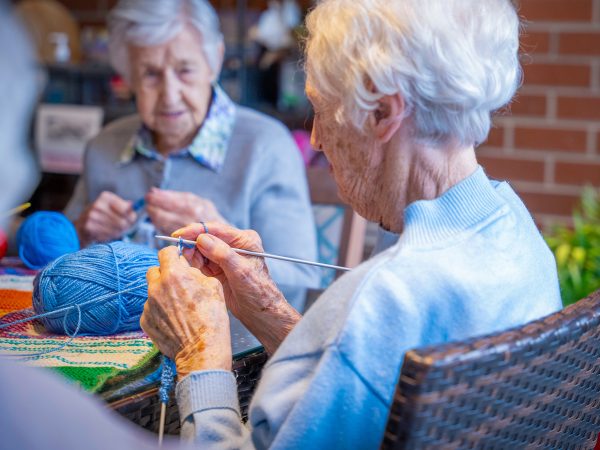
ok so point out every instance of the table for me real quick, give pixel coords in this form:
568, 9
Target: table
130, 384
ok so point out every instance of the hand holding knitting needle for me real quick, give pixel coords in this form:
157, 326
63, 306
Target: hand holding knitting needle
250, 293
169, 210
105, 219
186, 316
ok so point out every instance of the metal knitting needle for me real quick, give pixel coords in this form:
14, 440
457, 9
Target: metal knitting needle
192, 244
161, 423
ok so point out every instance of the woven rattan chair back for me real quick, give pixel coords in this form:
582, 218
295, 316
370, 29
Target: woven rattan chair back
144, 408
533, 386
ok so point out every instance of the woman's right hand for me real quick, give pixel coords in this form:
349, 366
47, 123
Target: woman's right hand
250, 293
105, 219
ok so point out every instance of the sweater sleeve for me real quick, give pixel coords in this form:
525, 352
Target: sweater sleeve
80, 198
78, 201
210, 412
291, 394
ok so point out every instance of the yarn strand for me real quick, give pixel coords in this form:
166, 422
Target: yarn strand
67, 309
63, 285
29, 356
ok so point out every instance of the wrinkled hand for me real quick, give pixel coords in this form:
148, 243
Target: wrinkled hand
185, 315
170, 210
105, 219
250, 293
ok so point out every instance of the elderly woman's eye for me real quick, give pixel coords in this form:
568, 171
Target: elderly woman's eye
150, 73
185, 71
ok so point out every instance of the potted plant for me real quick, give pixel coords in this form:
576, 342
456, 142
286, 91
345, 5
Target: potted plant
577, 249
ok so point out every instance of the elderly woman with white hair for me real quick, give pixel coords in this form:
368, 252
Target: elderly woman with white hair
190, 154
403, 92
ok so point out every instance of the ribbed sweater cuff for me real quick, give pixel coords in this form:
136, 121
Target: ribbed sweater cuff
209, 389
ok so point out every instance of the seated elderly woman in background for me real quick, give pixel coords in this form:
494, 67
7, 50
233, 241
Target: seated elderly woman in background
403, 92
191, 154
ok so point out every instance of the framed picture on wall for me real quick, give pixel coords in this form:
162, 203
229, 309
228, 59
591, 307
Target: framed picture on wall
62, 133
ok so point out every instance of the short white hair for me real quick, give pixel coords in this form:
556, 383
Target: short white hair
453, 61
147, 23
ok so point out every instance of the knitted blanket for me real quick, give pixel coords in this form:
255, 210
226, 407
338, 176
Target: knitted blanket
112, 365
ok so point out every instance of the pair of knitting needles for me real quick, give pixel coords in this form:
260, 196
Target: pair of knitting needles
191, 244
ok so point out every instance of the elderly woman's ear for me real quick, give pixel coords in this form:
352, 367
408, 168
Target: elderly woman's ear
387, 118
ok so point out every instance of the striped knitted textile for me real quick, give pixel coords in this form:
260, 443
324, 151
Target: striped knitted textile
97, 364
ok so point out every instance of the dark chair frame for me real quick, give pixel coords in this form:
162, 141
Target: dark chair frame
143, 408
534, 386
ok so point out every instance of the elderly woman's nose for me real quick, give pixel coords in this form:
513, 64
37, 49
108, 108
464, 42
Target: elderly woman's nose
315, 142
170, 87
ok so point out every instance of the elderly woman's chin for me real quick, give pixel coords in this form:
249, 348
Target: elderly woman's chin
178, 124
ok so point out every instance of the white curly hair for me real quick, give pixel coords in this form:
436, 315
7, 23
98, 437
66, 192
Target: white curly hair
154, 22
454, 62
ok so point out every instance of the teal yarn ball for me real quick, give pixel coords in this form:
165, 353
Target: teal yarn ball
96, 272
44, 236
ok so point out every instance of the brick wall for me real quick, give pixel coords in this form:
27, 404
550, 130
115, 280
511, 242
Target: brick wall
548, 146
93, 12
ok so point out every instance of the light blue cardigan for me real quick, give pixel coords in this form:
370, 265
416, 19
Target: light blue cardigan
468, 263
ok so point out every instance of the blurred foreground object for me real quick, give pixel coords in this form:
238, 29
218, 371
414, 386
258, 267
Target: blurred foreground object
19, 86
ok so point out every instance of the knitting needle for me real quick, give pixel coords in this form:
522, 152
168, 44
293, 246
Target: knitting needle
192, 244
17, 210
161, 426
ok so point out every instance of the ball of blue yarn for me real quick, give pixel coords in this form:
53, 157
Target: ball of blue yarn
95, 273
44, 236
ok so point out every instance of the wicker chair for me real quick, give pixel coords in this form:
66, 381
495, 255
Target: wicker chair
144, 408
532, 386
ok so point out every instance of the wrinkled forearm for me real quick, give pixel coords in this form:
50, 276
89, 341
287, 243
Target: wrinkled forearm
272, 325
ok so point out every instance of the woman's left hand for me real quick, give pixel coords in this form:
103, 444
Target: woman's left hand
170, 210
185, 315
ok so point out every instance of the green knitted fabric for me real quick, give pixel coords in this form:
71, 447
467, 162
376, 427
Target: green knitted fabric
96, 379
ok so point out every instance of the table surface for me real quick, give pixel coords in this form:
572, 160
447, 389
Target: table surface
243, 342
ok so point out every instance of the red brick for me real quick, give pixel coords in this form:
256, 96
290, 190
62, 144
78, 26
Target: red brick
558, 74
535, 42
528, 105
578, 173
87, 5
579, 43
551, 139
512, 169
556, 10
586, 108
496, 137
555, 204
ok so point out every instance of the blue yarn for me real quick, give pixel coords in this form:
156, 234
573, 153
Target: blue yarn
95, 272
167, 378
44, 236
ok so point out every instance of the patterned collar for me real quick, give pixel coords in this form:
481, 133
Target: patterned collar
209, 147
